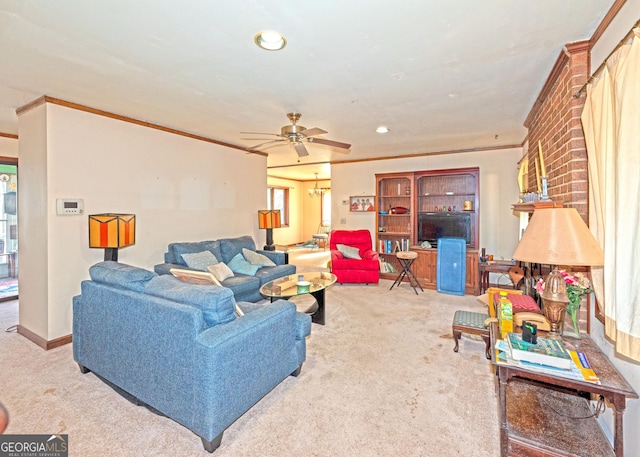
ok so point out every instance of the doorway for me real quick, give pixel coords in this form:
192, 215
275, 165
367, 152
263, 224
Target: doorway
8, 229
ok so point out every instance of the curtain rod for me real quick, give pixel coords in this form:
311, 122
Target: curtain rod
604, 62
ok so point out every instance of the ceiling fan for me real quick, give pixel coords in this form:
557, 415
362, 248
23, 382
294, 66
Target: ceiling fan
297, 135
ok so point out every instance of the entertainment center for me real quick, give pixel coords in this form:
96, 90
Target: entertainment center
423, 206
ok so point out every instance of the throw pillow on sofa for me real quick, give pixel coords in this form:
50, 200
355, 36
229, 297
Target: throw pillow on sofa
348, 251
179, 249
240, 265
221, 271
255, 258
200, 260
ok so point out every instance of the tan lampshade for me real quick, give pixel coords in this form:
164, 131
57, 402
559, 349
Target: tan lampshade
558, 236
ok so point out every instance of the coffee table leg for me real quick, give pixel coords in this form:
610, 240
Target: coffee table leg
318, 316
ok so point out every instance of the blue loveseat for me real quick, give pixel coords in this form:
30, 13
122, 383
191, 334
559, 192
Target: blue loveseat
179, 348
244, 285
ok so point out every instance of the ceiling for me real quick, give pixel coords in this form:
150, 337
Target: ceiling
441, 75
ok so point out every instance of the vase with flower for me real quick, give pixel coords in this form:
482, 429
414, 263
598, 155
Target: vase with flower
578, 285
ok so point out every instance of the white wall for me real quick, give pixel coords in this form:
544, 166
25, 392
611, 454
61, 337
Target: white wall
498, 191
8, 147
180, 189
621, 24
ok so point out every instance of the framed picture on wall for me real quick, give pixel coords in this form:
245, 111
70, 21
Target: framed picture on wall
363, 203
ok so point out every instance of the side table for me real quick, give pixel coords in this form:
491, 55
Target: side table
497, 266
406, 258
520, 389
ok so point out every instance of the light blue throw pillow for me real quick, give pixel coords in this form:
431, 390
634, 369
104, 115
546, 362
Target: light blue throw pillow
200, 260
240, 265
255, 258
348, 251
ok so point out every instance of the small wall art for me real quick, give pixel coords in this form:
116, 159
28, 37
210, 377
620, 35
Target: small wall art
363, 203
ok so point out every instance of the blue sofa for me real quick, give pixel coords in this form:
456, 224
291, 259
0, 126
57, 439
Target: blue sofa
179, 348
245, 287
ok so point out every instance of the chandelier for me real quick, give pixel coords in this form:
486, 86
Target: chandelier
317, 191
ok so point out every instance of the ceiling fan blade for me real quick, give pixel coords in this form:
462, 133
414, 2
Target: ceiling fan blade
300, 149
257, 139
267, 142
313, 132
261, 133
335, 144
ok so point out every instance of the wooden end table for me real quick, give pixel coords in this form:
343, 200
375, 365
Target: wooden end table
531, 425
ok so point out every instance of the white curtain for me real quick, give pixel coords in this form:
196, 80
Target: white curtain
611, 122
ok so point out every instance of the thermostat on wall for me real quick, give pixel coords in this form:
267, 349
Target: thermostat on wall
69, 206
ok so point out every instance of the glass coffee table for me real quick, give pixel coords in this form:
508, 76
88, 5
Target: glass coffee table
313, 283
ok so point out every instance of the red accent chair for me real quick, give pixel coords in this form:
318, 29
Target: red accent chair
365, 270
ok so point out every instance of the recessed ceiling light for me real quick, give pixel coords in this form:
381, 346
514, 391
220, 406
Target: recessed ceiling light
382, 129
270, 41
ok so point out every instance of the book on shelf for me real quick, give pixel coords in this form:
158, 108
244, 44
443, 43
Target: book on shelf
578, 367
548, 351
391, 246
386, 267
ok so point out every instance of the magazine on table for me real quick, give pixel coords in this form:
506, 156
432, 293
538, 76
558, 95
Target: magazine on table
547, 351
579, 368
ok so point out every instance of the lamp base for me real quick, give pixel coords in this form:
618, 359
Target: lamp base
269, 246
554, 311
111, 254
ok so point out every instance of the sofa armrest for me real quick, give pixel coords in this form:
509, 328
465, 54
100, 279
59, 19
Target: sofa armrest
277, 257
369, 255
302, 320
241, 361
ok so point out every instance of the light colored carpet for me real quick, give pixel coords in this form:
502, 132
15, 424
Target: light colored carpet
381, 379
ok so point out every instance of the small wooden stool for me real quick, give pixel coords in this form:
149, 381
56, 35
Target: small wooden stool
472, 323
406, 258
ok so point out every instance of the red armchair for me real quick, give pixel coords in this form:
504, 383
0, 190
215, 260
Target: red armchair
348, 270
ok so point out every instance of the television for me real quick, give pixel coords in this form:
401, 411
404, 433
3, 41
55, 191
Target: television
432, 226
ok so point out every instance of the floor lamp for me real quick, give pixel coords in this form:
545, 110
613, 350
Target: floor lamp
557, 236
269, 219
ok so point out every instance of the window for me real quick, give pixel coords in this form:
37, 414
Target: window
325, 215
278, 198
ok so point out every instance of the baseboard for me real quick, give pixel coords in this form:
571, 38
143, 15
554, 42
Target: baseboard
44, 344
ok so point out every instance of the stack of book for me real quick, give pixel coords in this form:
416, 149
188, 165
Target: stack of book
386, 267
548, 355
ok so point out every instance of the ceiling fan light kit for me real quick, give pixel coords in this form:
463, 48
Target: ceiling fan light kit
270, 41
297, 135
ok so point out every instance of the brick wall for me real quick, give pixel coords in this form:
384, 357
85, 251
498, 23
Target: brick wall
554, 120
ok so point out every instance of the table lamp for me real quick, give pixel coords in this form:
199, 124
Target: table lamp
557, 236
269, 219
112, 232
